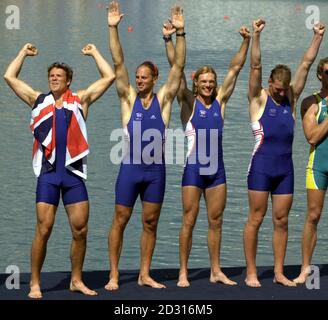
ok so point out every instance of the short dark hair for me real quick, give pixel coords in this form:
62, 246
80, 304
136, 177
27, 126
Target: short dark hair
322, 62
61, 65
281, 73
152, 66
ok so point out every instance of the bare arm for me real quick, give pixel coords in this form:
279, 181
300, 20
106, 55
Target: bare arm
96, 89
122, 77
168, 31
236, 65
313, 131
167, 93
22, 89
184, 95
255, 75
303, 69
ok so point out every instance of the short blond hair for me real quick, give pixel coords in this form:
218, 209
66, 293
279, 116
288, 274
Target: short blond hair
281, 73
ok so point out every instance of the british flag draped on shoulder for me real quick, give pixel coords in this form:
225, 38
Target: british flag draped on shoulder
44, 131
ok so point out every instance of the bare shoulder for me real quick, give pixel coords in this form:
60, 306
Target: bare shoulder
80, 93
307, 103
260, 99
257, 105
219, 94
34, 98
128, 97
187, 97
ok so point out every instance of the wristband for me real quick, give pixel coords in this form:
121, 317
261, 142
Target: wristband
180, 34
167, 38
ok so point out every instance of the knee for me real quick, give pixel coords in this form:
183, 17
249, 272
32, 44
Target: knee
281, 222
216, 222
313, 216
121, 217
189, 218
256, 217
80, 233
150, 224
44, 230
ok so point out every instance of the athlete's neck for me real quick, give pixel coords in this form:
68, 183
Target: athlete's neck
58, 99
276, 101
206, 101
146, 98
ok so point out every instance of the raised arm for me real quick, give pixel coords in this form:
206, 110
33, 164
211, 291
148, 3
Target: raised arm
122, 77
22, 89
313, 131
236, 65
96, 89
255, 74
167, 93
184, 95
303, 69
168, 31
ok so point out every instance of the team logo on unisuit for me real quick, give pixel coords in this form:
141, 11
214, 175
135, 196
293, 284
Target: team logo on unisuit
139, 116
202, 113
272, 112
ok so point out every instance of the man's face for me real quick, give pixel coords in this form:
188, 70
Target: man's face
57, 79
144, 79
277, 90
205, 84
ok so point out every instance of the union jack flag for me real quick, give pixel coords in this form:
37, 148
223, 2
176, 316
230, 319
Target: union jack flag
44, 131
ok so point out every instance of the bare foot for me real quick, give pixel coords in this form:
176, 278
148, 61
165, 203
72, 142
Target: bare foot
79, 286
221, 277
148, 281
252, 281
302, 276
183, 281
35, 292
281, 279
112, 284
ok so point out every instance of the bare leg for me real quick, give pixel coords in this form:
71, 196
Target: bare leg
78, 215
215, 199
315, 199
45, 220
258, 204
150, 217
115, 240
190, 200
281, 205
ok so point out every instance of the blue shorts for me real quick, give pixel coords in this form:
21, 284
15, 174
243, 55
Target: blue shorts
135, 180
272, 174
51, 184
192, 177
